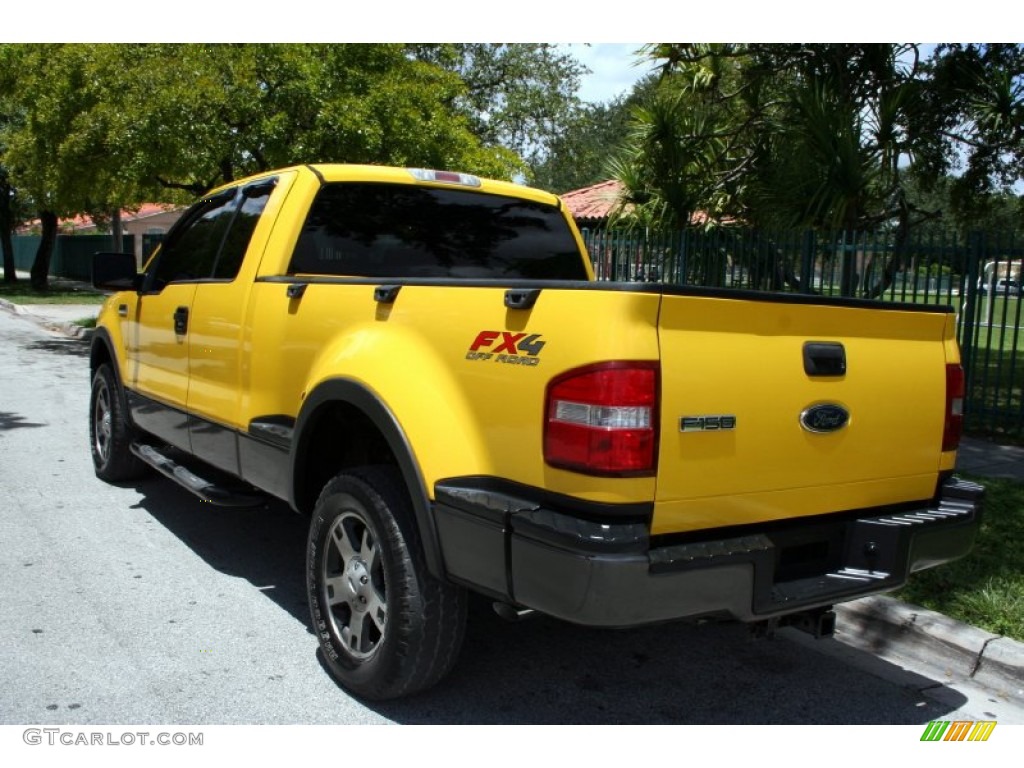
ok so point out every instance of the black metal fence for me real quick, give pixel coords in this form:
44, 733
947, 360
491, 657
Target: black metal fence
978, 274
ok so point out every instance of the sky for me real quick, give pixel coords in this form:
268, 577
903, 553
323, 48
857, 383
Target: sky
614, 67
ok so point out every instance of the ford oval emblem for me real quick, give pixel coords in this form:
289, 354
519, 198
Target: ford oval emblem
827, 417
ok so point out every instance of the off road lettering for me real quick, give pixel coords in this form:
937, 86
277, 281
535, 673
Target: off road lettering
517, 360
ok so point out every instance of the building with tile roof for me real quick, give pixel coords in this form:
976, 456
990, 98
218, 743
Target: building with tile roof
591, 206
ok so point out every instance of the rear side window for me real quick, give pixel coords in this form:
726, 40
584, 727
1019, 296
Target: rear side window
394, 230
254, 200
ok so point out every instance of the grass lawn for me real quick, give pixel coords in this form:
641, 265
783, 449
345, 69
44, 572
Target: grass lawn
985, 588
61, 292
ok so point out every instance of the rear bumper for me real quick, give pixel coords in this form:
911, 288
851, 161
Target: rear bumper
515, 544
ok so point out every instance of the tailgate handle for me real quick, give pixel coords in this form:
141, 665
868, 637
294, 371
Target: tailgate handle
824, 358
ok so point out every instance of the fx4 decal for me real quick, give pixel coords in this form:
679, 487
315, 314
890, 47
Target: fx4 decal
506, 347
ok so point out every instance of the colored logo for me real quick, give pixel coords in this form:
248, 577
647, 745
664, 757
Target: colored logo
505, 347
958, 730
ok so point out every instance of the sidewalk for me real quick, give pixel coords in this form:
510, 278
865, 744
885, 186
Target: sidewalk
880, 625
57, 317
981, 457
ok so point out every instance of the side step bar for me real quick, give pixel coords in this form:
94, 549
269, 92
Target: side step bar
205, 489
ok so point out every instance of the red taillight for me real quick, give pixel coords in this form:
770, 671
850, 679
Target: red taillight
954, 407
602, 419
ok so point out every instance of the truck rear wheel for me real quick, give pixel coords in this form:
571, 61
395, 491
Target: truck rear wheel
386, 627
110, 433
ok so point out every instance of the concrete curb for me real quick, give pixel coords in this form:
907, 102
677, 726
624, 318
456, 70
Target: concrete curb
71, 330
894, 630
10, 306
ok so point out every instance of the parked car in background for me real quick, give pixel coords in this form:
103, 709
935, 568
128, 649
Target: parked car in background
1003, 287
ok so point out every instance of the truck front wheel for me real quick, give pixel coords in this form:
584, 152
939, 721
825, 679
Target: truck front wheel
110, 432
386, 627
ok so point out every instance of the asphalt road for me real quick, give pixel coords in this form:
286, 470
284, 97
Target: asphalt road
141, 605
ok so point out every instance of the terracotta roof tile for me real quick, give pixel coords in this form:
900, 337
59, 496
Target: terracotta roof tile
75, 223
593, 202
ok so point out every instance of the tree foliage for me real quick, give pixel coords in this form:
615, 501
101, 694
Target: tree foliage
522, 96
973, 129
55, 144
825, 135
206, 114
579, 154
93, 128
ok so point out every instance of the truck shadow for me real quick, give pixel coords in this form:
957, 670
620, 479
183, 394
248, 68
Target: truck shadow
543, 671
70, 347
264, 545
16, 421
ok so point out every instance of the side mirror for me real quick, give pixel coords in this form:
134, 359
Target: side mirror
115, 272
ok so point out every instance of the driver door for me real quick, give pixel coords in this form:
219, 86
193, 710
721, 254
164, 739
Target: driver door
159, 383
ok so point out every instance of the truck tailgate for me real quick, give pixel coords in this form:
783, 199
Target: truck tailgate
736, 446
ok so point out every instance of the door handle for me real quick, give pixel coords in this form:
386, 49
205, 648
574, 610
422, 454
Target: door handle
181, 321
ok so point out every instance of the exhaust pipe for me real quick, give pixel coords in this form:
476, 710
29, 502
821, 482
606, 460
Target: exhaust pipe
511, 613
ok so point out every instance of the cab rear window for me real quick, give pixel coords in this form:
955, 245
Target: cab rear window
395, 231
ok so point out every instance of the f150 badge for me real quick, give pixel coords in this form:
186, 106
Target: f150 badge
505, 347
722, 423
824, 417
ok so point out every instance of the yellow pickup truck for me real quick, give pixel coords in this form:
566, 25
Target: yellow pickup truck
423, 363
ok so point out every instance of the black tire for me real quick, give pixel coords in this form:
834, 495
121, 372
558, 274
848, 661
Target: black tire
110, 433
386, 627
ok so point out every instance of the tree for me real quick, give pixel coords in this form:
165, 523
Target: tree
579, 155
520, 96
55, 152
108, 125
199, 115
972, 133
8, 221
825, 136
997, 211
11, 204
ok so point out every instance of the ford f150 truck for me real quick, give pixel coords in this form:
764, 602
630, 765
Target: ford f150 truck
423, 363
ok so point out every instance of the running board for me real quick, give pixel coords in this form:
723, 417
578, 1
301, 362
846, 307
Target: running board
206, 490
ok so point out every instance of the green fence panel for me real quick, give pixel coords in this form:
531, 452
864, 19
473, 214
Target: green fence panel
73, 257
25, 247
72, 254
